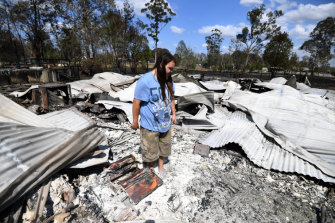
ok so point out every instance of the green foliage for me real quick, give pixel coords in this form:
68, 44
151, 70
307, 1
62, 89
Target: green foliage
260, 30
178, 59
159, 13
181, 49
185, 56
214, 42
32, 17
238, 58
278, 51
11, 49
70, 46
320, 43
294, 62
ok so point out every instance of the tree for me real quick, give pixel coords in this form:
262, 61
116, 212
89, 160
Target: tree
238, 57
70, 46
260, 30
11, 47
214, 42
138, 45
185, 56
159, 13
112, 24
33, 18
86, 17
294, 62
181, 49
277, 52
320, 44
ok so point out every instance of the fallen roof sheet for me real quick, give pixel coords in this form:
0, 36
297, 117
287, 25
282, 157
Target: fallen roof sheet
182, 89
12, 112
260, 149
125, 95
299, 126
126, 107
311, 95
99, 83
20, 94
278, 80
69, 119
216, 85
82, 88
204, 98
32, 148
202, 120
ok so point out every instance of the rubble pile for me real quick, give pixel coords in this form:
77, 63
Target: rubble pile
233, 159
224, 187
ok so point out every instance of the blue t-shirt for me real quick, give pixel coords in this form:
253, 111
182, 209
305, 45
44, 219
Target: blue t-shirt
155, 113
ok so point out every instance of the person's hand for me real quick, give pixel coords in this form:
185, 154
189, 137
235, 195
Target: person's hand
134, 125
174, 119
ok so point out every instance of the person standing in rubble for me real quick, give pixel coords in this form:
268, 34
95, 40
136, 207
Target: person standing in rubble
154, 102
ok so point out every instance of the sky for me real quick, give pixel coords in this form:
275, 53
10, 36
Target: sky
196, 18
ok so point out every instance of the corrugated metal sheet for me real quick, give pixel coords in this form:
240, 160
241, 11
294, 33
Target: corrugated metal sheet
20, 94
202, 120
318, 96
32, 148
126, 107
125, 95
82, 88
205, 98
13, 112
182, 89
99, 83
260, 149
303, 128
70, 119
216, 85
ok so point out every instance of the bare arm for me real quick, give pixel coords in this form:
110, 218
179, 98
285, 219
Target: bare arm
136, 112
173, 109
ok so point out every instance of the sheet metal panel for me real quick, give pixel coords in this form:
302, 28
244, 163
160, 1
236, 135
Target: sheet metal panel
30, 155
182, 89
32, 149
202, 120
261, 150
125, 95
296, 124
11, 111
216, 85
70, 119
126, 107
205, 98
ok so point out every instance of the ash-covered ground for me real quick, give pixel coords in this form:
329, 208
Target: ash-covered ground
224, 187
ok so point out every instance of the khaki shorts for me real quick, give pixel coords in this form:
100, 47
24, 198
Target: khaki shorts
155, 144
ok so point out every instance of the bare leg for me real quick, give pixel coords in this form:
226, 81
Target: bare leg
160, 164
150, 165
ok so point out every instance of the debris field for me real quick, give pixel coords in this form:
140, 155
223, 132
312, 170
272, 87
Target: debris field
242, 151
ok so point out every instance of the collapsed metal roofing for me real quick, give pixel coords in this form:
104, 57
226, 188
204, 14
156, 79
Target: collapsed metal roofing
260, 149
33, 148
294, 121
203, 121
98, 83
126, 107
216, 85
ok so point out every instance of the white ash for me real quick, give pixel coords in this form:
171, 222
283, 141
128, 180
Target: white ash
224, 187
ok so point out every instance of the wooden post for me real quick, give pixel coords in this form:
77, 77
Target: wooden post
44, 97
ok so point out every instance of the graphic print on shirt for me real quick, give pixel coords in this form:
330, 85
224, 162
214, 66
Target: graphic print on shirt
161, 109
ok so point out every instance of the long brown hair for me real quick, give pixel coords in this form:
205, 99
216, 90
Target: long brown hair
160, 64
